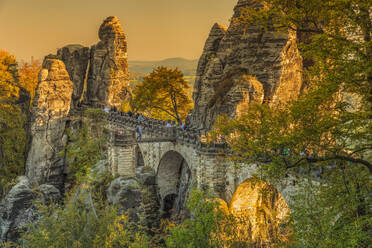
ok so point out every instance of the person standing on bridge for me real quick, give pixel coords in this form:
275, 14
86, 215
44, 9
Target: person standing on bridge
139, 132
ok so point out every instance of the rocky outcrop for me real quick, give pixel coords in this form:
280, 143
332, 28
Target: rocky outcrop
101, 72
76, 58
51, 106
108, 72
17, 209
243, 62
136, 196
99, 75
126, 192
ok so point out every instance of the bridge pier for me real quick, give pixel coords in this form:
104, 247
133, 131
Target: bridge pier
123, 158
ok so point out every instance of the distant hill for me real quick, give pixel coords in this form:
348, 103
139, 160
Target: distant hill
188, 67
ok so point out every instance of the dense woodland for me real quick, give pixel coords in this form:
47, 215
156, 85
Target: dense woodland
325, 132
17, 88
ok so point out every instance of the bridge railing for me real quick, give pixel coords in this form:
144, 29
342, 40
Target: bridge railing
157, 130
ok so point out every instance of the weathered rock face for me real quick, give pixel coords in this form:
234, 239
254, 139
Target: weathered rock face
51, 107
17, 210
127, 193
137, 195
76, 58
241, 64
101, 72
263, 207
108, 71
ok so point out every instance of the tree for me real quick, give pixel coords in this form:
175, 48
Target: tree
163, 93
332, 118
198, 231
213, 226
75, 225
86, 144
8, 77
28, 76
12, 121
327, 130
326, 215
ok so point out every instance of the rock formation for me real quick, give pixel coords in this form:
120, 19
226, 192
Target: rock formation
136, 196
100, 71
76, 58
263, 207
95, 76
48, 122
241, 64
108, 71
17, 210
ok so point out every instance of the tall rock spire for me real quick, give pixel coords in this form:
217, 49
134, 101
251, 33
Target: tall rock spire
108, 73
76, 59
48, 122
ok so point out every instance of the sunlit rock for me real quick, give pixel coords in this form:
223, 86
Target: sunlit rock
48, 122
241, 51
108, 72
260, 210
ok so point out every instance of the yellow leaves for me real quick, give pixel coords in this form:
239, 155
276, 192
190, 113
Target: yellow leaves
166, 224
8, 77
122, 234
85, 186
163, 94
28, 76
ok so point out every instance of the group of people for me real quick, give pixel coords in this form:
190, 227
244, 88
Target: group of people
169, 124
141, 117
108, 109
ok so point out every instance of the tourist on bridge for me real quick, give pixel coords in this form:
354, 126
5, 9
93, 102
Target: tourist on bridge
169, 124
106, 109
183, 126
139, 132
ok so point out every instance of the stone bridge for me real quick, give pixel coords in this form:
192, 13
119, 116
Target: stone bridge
181, 159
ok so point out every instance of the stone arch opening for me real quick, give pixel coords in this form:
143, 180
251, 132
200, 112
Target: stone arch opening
174, 181
262, 212
139, 157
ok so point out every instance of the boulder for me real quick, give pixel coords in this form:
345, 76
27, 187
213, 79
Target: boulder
147, 177
17, 208
126, 193
138, 196
241, 63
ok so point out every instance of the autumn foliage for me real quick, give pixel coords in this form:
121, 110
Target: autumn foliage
163, 95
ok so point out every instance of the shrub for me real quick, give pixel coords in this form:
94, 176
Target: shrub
78, 224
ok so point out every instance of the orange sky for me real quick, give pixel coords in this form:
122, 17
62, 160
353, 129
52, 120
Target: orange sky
156, 29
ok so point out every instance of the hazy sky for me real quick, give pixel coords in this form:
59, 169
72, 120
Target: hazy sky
156, 29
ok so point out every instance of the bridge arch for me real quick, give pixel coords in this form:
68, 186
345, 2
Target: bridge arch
173, 179
139, 159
